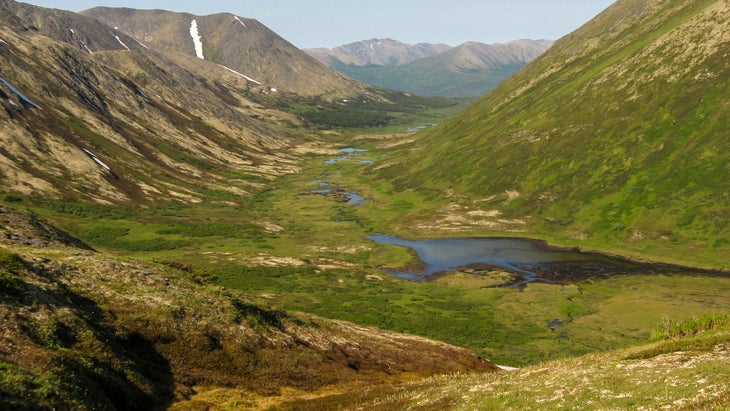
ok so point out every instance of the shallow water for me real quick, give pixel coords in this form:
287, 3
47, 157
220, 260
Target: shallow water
528, 260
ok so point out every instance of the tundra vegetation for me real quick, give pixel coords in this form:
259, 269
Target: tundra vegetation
224, 276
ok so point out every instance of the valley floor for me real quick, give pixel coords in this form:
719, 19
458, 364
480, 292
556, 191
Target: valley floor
301, 245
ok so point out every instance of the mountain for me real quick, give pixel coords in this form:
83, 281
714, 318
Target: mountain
90, 113
615, 137
376, 52
469, 70
239, 43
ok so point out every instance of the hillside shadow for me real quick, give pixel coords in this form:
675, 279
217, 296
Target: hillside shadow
102, 365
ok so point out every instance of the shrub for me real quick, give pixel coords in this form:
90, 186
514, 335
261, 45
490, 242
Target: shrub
10, 261
687, 327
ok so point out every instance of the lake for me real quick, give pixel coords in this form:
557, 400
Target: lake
528, 260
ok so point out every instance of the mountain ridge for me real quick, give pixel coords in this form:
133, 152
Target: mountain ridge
241, 44
128, 108
468, 70
378, 52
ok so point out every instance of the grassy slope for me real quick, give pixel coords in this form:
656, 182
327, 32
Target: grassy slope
83, 329
432, 79
614, 138
679, 373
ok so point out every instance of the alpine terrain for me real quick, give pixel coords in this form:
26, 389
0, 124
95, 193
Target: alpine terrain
196, 215
616, 136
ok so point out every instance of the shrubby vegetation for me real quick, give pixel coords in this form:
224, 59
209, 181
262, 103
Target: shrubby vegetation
84, 210
365, 112
690, 326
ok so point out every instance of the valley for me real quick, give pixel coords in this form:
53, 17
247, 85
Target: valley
300, 247
178, 235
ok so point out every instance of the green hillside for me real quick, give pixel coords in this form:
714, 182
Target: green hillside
616, 137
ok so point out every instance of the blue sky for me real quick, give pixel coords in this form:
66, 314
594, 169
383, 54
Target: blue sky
330, 23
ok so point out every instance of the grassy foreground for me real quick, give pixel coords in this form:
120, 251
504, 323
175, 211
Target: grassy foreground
689, 372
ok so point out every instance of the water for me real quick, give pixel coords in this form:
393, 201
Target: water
353, 199
529, 260
352, 152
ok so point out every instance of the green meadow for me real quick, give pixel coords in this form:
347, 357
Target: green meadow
289, 247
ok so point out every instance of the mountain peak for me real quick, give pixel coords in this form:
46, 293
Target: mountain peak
241, 44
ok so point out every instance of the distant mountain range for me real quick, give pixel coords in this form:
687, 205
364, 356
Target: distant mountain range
376, 52
469, 70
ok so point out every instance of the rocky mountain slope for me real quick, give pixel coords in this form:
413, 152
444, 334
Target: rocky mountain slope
241, 44
614, 137
469, 70
376, 52
89, 112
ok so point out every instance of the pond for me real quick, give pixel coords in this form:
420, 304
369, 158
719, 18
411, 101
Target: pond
527, 260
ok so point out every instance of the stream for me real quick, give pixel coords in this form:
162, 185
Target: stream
351, 198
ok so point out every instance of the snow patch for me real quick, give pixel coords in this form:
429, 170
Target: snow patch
86, 47
197, 42
96, 160
142, 44
506, 368
71, 30
17, 92
239, 20
120, 41
3, 41
240, 74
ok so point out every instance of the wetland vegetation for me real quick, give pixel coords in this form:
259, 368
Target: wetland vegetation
299, 246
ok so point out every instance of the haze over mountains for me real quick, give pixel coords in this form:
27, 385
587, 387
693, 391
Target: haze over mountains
468, 70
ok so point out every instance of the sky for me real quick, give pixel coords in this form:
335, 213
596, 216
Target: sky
331, 23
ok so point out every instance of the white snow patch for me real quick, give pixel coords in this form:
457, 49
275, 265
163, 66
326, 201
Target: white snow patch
142, 44
3, 41
86, 47
240, 74
99, 162
120, 41
239, 20
506, 368
197, 42
71, 30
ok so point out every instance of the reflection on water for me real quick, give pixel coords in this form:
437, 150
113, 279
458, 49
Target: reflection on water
528, 260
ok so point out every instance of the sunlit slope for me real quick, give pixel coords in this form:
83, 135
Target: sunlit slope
617, 135
242, 44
